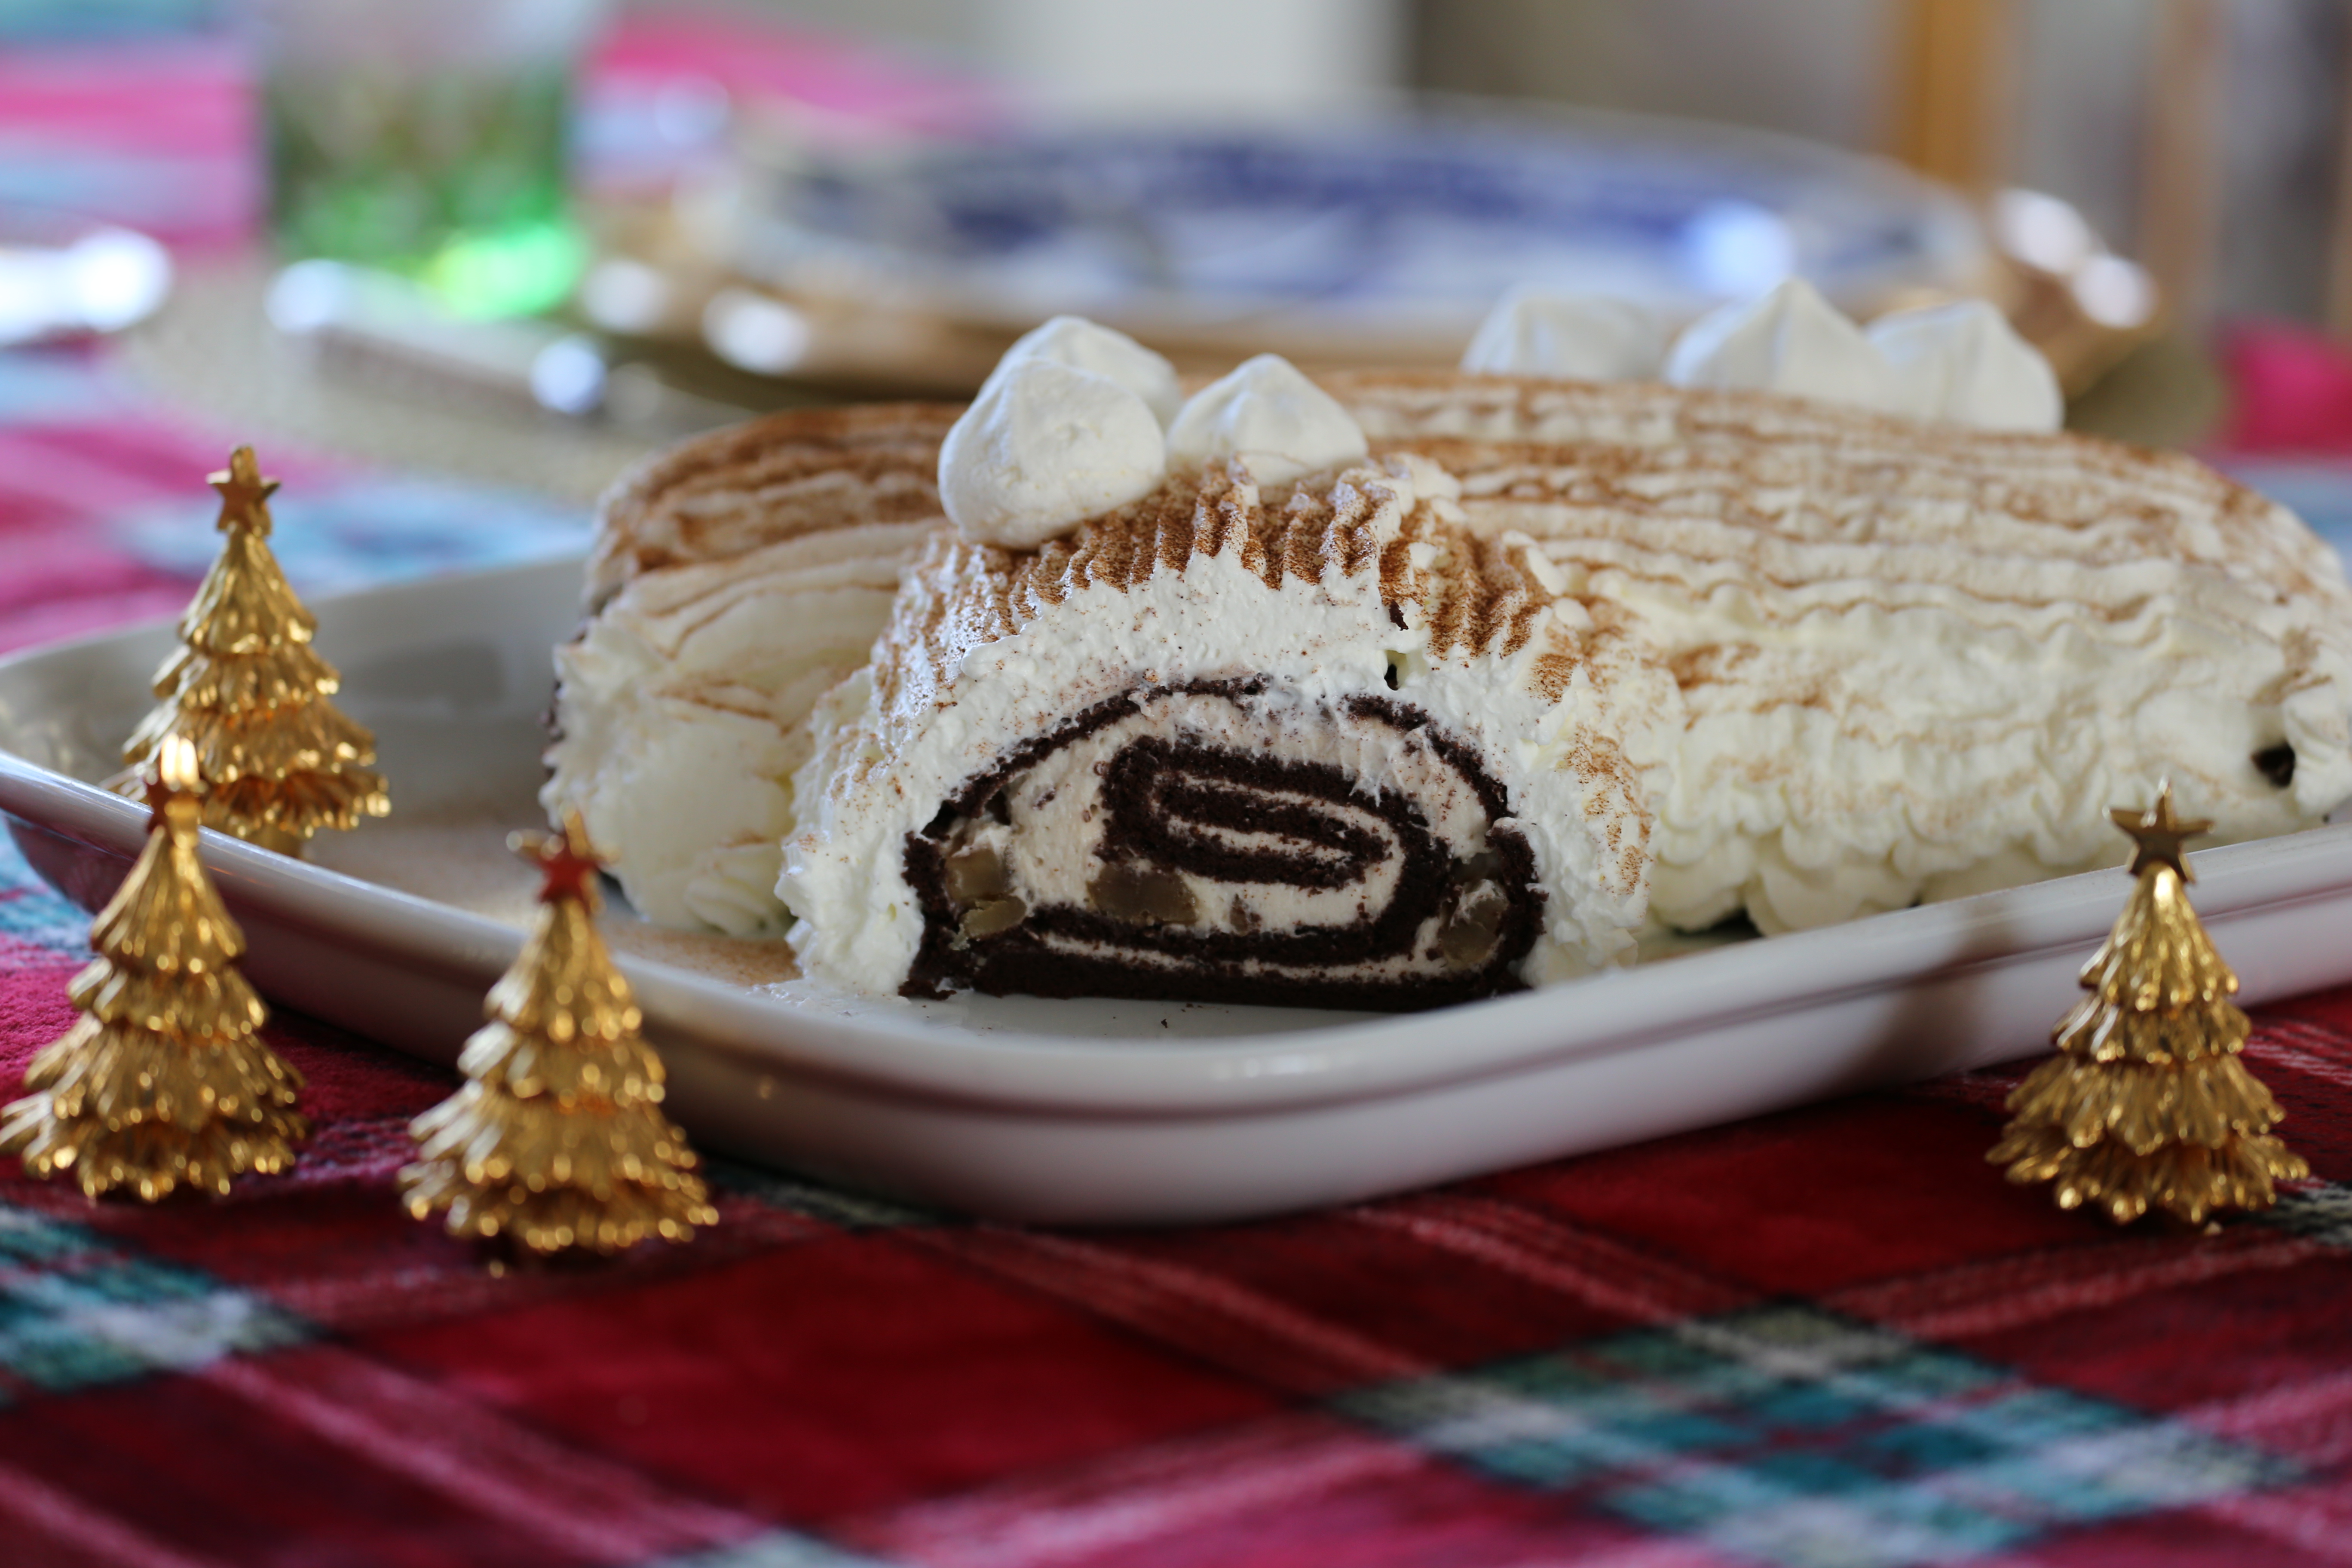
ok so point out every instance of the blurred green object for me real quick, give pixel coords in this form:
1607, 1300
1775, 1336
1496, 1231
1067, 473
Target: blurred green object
427, 138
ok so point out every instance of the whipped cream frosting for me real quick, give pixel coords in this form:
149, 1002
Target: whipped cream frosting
680, 710
1963, 361
735, 577
1102, 351
1787, 340
1253, 621
1043, 447
1895, 692
1268, 415
1589, 337
1794, 688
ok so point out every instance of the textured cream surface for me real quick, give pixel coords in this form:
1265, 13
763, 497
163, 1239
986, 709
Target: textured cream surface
1045, 447
736, 577
1916, 661
721, 496
1209, 581
680, 710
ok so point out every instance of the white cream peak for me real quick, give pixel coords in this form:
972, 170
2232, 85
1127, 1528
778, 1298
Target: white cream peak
1267, 413
1789, 340
1964, 361
1584, 337
1082, 345
1045, 447
1960, 362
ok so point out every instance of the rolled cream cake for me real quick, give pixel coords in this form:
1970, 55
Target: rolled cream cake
1915, 660
735, 579
1908, 660
1317, 743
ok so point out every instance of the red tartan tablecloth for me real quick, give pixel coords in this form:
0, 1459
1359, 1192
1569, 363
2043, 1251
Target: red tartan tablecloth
1823, 1339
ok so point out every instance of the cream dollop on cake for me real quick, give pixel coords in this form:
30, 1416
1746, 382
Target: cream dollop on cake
1043, 447
1589, 337
1916, 661
1789, 340
1304, 743
735, 579
1960, 362
1105, 352
1964, 363
1067, 425
1269, 416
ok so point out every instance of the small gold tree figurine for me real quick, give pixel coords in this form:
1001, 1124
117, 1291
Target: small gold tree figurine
164, 1080
278, 760
557, 1139
2148, 1103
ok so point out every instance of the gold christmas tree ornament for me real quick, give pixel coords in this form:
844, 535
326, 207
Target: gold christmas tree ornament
2148, 1103
278, 761
164, 1080
557, 1139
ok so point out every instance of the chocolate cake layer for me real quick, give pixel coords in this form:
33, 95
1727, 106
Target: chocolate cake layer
1167, 864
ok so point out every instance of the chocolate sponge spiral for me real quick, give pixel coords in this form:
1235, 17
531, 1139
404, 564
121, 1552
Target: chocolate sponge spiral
1222, 873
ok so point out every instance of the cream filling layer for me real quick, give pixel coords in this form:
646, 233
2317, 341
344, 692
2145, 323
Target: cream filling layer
1053, 848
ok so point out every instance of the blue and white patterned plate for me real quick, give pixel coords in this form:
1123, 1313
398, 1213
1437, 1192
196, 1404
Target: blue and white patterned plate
1397, 230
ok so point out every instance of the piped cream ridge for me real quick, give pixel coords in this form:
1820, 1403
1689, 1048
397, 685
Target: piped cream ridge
1916, 661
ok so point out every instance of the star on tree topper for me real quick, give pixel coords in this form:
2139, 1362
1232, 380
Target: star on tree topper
567, 860
161, 793
245, 494
2159, 834
171, 774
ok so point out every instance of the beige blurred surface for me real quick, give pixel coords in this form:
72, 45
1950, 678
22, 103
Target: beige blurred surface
211, 351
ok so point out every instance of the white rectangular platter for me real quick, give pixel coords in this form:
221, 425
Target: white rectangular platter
1068, 1113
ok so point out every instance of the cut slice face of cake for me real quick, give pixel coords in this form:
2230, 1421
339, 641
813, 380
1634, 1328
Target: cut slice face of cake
1316, 742
735, 579
1915, 660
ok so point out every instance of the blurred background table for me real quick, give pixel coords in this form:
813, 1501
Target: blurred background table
1829, 1337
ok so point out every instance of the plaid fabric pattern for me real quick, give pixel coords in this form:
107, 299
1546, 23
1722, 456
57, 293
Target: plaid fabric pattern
75, 1313
1789, 1434
1827, 1339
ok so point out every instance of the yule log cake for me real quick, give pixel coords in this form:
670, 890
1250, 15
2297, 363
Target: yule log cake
1877, 659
